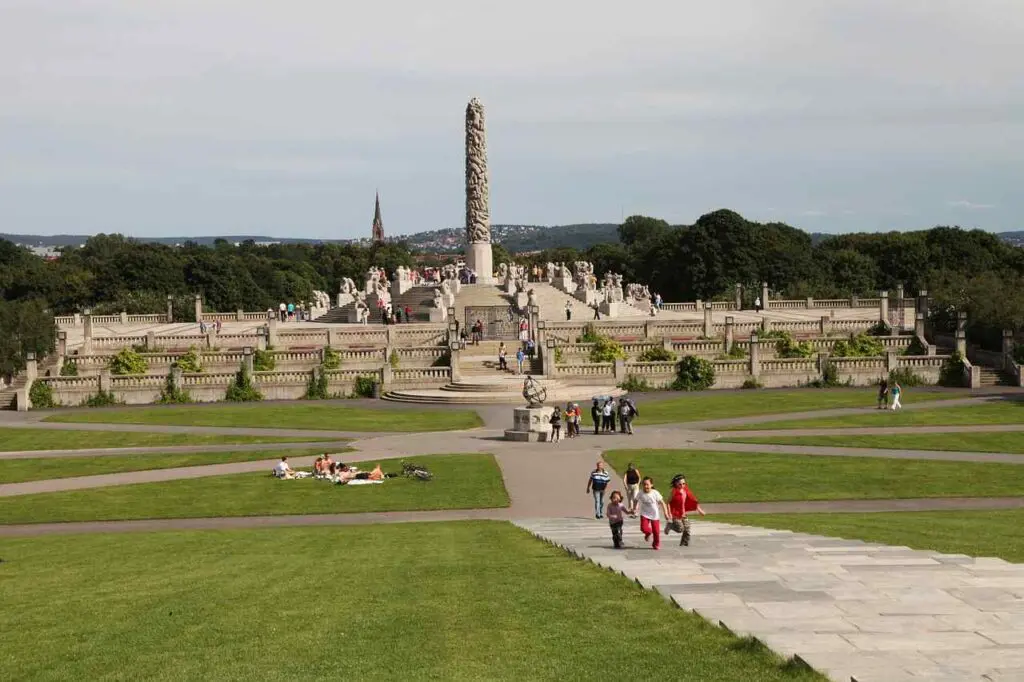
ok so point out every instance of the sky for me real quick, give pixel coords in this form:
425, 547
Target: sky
204, 117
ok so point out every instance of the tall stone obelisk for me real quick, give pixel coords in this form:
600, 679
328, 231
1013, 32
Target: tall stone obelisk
478, 211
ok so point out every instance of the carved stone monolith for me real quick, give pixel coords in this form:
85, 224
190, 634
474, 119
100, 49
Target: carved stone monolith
478, 212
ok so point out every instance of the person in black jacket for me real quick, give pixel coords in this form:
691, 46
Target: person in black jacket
595, 414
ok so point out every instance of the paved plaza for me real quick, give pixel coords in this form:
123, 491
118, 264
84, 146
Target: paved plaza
850, 609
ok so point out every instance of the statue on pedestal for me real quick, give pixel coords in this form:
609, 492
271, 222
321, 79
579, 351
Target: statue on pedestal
534, 393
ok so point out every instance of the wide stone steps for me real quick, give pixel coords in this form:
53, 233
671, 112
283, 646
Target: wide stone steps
501, 390
995, 377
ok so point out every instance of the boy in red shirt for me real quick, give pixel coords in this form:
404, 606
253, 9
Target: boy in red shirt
682, 500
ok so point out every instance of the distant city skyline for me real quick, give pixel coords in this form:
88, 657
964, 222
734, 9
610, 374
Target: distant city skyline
193, 118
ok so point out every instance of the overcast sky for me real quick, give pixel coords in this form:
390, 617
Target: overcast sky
191, 117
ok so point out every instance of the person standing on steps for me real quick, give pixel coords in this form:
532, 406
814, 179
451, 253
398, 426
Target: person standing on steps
596, 484
520, 357
568, 311
631, 480
896, 392
502, 361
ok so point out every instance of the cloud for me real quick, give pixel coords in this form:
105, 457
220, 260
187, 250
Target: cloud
963, 203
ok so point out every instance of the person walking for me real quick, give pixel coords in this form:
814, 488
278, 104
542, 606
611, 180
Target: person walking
556, 425
616, 517
502, 361
596, 484
896, 391
631, 479
595, 415
883, 394
757, 304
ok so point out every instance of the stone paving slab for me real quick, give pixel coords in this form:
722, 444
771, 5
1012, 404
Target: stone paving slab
850, 609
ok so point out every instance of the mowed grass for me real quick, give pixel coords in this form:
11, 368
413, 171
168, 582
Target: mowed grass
12, 440
988, 412
977, 533
42, 468
468, 481
1008, 441
707, 405
755, 477
471, 600
300, 415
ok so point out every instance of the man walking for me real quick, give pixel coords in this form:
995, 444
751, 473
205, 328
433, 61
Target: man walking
596, 484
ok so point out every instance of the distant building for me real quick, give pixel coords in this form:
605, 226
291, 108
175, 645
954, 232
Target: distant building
378, 223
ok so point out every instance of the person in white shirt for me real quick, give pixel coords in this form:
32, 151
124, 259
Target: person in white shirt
650, 504
283, 470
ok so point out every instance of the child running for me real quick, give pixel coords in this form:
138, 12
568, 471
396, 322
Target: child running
616, 512
648, 502
682, 501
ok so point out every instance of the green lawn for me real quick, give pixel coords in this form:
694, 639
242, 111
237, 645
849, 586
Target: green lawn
992, 412
299, 415
460, 482
754, 477
977, 533
470, 600
42, 468
706, 405
1009, 441
52, 439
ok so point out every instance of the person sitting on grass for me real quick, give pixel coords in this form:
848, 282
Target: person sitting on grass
347, 474
283, 469
319, 469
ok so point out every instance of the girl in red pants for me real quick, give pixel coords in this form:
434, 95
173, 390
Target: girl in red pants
650, 504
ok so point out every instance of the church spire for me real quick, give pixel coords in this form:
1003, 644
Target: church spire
378, 223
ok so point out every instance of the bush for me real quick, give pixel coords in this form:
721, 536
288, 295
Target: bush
952, 372
635, 384
102, 399
916, 347
69, 369
172, 395
190, 362
443, 360
904, 376
830, 379
589, 335
332, 359
788, 347
242, 389
880, 329
316, 389
657, 354
363, 387
41, 395
752, 383
606, 349
737, 352
1018, 353
128, 361
559, 355
859, 346
393, 359
694, 374
263, 361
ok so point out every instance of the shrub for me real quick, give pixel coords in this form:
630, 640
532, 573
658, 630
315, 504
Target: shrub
830, 379
1018, 353
69, 369
393, 359
190, 362
264, 361
952, 372
880, 329
788, 347
41, 395
737, 352
128, 361
606, 349
589, 335
443, 360
363, 387
904, 376
102, 399
242, 389
171, 394
635, 384
316, 389
657, 354
774, 334
694, 374
916, 347
859, 346
559, 355
332, 359
752, 383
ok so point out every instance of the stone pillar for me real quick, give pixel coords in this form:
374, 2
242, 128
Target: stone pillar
176, 377
709, 327
809, 303
922, 301
78, 319
199, 308
542, 336
738, 301
883, 306
170, 309
891, 361
105, 380
961, 342
899, 292
210, 336
825, 325
619, 370
87, 332
31, 368
150, 341
854, 301
961, 321
454, 349
666, 343
755, 356
729, 331
330, 337
239, 315
62, 344
698, 305
272, 333
766, 324
247, 359
1007, 344
919, 325
764, 295
822, 362
549, 359
124, 318
261, 338
648, 330
478, 211
387, 377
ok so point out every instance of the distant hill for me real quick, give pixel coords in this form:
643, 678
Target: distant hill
515, 238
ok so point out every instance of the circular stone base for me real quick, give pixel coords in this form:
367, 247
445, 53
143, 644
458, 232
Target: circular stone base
530, 424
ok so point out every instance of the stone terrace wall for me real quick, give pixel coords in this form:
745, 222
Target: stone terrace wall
682, 330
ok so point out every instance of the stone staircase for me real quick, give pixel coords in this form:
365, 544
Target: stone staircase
7, 394
991, 376
551, 302
482, 360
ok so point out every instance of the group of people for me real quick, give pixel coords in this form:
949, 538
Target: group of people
390, 314
325, 468
289, 312
214, 326
645, 501
603, 416
889, 395
525, 350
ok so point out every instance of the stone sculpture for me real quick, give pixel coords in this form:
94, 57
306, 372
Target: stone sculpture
534, 393
438, 299
478, 212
